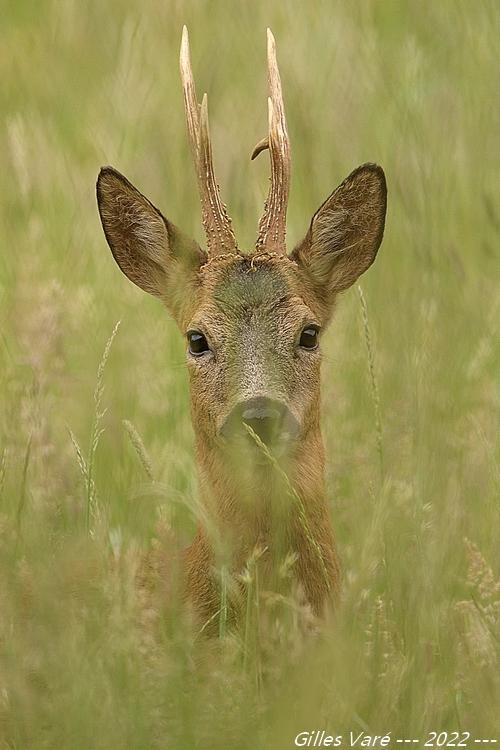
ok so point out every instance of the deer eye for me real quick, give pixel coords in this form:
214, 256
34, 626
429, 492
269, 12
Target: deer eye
197, 343
309, 337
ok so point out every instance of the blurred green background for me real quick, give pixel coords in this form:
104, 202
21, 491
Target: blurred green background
413, 456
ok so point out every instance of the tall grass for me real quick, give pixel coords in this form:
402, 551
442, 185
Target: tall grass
373, 379
87, 658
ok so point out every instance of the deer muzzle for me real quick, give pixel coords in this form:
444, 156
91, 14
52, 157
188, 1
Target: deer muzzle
271, 420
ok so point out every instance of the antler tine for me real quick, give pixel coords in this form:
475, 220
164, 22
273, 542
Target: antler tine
272, 226
189, 90
216, 222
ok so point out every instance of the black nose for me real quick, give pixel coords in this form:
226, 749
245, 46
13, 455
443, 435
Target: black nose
269, 419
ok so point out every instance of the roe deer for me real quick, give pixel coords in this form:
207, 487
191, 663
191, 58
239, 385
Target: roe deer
253, 324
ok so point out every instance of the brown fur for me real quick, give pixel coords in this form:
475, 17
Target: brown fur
252, 309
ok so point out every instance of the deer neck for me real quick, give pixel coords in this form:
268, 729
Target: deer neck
268, 513
255, 489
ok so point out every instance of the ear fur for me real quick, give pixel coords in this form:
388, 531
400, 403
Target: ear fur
345, 233
151, 251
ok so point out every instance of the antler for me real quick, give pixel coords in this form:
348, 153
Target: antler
217, 224
272, 226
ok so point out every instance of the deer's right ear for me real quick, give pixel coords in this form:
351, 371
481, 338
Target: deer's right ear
148, 248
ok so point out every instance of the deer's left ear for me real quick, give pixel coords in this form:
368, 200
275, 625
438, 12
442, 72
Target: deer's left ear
345, 233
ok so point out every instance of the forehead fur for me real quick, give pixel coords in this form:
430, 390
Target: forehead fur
228, 286
244, 283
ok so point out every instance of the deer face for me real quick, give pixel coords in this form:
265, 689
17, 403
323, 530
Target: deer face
252, 322
253, 352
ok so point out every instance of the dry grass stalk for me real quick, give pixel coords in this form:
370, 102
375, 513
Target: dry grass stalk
140, 449
373, 379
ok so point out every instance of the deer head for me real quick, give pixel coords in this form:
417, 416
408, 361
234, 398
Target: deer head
253, 321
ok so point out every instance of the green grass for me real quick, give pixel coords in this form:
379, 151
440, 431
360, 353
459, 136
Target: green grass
410, 386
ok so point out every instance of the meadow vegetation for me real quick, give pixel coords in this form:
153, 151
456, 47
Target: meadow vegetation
96, 459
